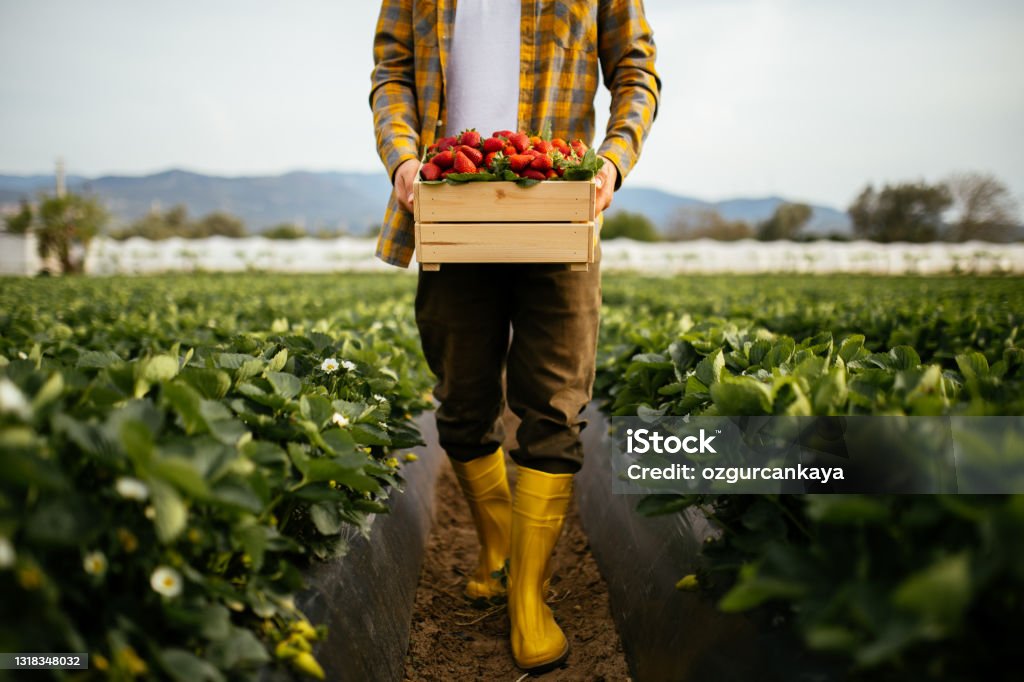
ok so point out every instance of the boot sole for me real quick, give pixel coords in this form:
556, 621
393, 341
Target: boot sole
549, 666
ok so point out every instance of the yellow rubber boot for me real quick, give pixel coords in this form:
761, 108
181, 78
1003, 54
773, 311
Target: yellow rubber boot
538, 512
485, 486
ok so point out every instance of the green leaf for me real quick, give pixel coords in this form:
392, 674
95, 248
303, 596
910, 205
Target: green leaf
180, 473
96, 359
284, 384
742, 396
212, 384
278, 362
185, 401
326, 517
154, 370
240, 649
709, 370
753, 589
184, 666
526, 182
171, 513
904, 357
939, 594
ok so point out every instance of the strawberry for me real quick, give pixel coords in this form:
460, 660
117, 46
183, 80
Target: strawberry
536, 140
580, 147
446, 173
502, 133
470, 138
559, 144
463, 164
552, 173
489, 159
432, 148
520, 141
493, 144
444, 159
543, 146
430, 171
519, 162
446, 143
473, 154
541, 163
533, 174
509, 150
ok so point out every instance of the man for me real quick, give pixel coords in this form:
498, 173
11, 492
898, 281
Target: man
441, 67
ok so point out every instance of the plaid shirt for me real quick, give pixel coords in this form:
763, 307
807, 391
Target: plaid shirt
559, 56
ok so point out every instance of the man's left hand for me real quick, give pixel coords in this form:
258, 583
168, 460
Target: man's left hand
605, 181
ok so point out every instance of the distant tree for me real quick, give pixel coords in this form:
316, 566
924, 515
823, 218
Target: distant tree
785, 223
629, 226
220, 224
20, 222
707, 223
907, 212
175, 222
284, 231
62, 223
984, 207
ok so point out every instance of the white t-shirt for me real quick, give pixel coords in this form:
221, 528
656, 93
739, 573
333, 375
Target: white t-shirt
482, 85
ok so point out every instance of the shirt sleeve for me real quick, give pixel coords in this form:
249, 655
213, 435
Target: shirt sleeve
393, 91
627, 52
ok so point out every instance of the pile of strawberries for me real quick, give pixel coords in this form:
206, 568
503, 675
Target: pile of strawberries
506, 155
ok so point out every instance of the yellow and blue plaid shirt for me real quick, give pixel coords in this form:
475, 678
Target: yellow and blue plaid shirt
563, 44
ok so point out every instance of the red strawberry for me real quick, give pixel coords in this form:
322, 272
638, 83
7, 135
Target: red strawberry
551, 173
470, 138
533, 174
493, 144
463, 164
580, 147
502, 133
509, 150
446, 143
443, 159
519, 162
543, 146
536, 140
489, 159
541, 163
432, 148
533, 152
430, 171
520, 141
559, 144
472, 153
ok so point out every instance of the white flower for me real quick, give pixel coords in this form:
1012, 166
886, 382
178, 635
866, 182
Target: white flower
340, 419
379, 398
7, 555
348, 365
12, 400
95, 563
150, 512
22, 355
166, 581
329, 365
131, 488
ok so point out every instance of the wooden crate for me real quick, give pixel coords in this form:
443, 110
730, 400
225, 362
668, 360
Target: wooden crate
500, 222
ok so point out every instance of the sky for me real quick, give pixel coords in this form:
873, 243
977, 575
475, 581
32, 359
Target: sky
806, 99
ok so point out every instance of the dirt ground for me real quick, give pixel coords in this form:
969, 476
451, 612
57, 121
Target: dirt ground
451, 639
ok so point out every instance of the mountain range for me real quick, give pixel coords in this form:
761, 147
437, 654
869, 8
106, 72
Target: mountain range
347, 200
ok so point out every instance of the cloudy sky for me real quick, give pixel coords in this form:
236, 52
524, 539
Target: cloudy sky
803, 98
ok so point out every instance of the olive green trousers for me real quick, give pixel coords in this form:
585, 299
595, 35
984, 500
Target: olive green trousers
535, 323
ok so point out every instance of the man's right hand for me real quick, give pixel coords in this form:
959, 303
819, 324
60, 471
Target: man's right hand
405, 176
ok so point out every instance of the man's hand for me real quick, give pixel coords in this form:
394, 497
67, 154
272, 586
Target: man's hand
405, 176
605, 181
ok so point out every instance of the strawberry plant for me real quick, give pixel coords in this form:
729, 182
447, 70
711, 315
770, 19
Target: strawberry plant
897, 587
176, 449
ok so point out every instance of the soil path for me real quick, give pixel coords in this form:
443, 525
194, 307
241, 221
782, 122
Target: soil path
452, 640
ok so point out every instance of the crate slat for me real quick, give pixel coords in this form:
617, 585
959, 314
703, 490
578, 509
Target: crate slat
504, 202
505, 242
